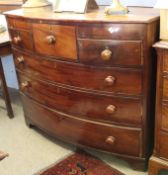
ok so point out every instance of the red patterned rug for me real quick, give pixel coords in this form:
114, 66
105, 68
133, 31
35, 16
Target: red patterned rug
81, 163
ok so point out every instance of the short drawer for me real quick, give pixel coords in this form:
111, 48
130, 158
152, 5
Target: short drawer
84, 105
112, 31
163, 144
110, 52
55, 40
121, 140
22, 39
109, 80
20, 24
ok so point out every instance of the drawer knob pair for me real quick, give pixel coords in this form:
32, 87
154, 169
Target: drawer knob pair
110, 109
106, 54
109, 80
110, 140
50, 39
20, 59
25, 85
17, 39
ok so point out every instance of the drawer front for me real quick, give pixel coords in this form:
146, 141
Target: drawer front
18, 24
165, 87
164, 119
163, 145
84, 105
22, 39
165, 61
111, 80
84, 132
113, 31
55, 40
109, 52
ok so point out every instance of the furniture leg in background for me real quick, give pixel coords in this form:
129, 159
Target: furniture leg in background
5, 49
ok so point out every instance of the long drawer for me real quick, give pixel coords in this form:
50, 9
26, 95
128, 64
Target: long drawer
121, 140
110, 80
84, 105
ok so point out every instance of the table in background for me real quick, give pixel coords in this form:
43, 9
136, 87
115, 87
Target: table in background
5, 49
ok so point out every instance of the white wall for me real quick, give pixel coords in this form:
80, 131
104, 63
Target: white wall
149, 3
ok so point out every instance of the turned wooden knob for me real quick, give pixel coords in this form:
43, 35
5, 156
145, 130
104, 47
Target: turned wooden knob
110, 109
25, 85
51, 39
110, 140
106, 54
17, 39
20, 59
109, 80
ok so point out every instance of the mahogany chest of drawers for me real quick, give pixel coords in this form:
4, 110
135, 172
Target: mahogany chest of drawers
159, 160
88, 78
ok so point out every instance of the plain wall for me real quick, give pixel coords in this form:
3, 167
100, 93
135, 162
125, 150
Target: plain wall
149, 3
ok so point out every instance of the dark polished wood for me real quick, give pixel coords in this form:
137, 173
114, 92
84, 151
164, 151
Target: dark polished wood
89, 78
110, 52
159, 159
106, 31
5, 49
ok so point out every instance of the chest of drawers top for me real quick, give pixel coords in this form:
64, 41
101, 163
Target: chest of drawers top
135, 15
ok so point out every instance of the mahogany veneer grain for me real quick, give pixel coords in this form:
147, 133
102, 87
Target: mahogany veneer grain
159, 160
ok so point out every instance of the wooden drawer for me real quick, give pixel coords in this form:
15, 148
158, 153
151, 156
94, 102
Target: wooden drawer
121, 140
163, 145
84, 105
165, 87
110, 52
20, 24
111, 80
165, 60
55, 40
113, 31
164, 117
22, 39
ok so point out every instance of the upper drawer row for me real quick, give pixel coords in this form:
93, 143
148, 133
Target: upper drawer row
109, 45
